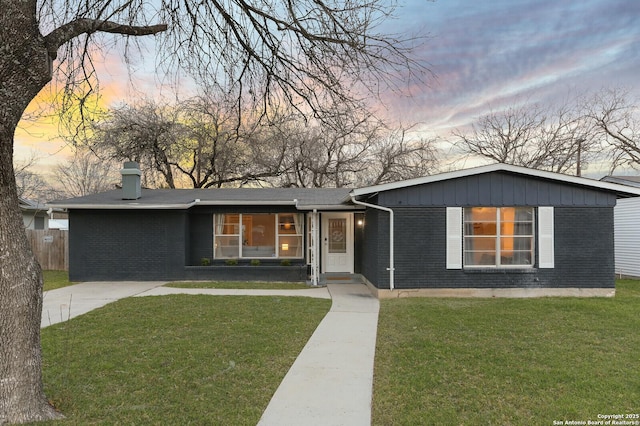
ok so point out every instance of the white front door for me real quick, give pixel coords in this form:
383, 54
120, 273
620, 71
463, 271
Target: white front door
337, 242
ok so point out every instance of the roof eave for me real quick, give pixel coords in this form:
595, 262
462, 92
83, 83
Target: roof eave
620, 190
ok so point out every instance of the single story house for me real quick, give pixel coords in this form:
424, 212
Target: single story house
626, 222
39, 216
496, 230
34, 214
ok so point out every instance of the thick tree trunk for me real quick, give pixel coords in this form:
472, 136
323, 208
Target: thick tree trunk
24, 70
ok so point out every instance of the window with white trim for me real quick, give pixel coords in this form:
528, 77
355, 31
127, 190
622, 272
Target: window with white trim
498, 236
258, 235
488, 237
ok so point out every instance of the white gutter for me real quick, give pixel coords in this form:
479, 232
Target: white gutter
391, 267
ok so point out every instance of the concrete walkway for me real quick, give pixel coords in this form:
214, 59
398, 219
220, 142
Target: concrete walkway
330, 383
68, 302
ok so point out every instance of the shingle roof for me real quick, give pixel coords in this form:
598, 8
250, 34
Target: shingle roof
302, 198
307, 198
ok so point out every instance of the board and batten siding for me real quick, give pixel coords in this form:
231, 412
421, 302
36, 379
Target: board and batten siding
497, 189
627, 237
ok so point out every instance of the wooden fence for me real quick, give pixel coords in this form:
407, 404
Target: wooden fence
51, 247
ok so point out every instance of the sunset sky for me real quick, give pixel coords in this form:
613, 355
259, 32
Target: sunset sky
484, 55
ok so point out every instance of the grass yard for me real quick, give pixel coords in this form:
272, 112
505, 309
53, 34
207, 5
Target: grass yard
55, 279
176, 359
253, 285
507, 361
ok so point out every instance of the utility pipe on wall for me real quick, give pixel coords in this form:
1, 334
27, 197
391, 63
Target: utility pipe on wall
391, 267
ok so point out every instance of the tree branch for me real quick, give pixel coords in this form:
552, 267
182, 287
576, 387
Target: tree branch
73, 29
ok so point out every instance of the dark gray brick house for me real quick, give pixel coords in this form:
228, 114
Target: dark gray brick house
496, 230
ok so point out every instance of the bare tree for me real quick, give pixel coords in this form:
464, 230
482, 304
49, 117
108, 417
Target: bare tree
85, 173
30, 184
303, 53
221, 150
532, 136
198, 143
360, 150
148, 133
617, 121
396, 156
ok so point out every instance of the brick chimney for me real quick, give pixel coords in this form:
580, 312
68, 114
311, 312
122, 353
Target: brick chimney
131, 181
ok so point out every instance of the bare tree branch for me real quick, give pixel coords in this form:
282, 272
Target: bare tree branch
71, 30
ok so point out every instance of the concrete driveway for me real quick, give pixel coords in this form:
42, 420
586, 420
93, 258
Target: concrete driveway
61, 304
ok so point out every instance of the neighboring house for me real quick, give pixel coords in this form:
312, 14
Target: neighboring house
40, 216
627, 229
496, 230
34, 214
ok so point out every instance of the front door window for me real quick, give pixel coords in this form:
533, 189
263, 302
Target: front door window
337, 235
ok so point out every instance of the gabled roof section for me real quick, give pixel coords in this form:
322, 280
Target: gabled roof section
621, 191
301, 198
624, 180
31, 205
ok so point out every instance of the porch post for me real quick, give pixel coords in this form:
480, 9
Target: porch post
314, 248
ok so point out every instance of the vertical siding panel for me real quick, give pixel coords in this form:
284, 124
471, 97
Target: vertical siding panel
627, 237
555, 196
566, 195
462, 192
534, 192
519, 192
578, 196
589, 198
426, 195
507, 191
437, 194
449, 196
473, 192
496, 189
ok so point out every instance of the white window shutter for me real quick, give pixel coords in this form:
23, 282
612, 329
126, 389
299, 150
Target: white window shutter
545, 237
454, 237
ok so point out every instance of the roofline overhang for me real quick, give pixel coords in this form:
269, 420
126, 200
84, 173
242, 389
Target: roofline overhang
332, 207
621, 191
198, 202
621, 180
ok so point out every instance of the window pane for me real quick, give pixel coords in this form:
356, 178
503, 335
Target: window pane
515, 243
226, 246
479, 243
516, 228
478, 258
337, 235
480, 214
516, 214
290, 246
480, 221
258, 235
227, 224
287, 224
519, 258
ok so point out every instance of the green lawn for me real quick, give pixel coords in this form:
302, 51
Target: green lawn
55, 279
176, 359
507, 361
218, 359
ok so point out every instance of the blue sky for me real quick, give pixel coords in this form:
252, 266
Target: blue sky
486, 54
